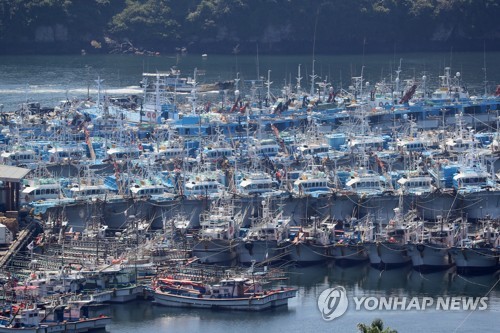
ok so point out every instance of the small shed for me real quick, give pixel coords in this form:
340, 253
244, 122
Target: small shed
10, 185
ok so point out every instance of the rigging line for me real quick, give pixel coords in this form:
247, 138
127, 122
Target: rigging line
467, 317
451, 206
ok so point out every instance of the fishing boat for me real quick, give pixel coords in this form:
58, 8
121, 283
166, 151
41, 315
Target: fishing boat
477, 253
40, 189
430, 252
348, 243
257, 184
72, 317
265, 238
216, 241
389, 248
313, 183
476, 188
311, 244
229, 294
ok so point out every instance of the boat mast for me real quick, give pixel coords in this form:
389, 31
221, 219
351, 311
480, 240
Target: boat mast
484, 70
99, 81
397, 80
313, 76
268, 85
299, 78
193, 92
157, 93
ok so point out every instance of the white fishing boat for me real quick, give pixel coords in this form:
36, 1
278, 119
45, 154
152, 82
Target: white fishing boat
313, 182
20, 156
476, 188
366, 184
216, 241
40, 189
204, 184
257, 184
72, 317
229, 294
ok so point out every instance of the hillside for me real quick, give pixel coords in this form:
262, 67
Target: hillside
229, 26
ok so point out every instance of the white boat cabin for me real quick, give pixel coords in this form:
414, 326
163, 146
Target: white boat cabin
124, 153
40, 192
19, 157
264, 148
416, 185
411, 145
171, 153
366, 143
257, 183
311, 184
199, 187
235, 288
366, 184
471, 180
214, 154
313, 150
65, 153
144, 190
88, 191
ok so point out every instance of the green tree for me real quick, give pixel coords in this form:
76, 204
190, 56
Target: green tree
146, 21
377, 326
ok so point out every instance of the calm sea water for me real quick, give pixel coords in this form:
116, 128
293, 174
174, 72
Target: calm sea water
49, 79
302, 314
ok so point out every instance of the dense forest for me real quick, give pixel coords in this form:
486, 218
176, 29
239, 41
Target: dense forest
233, 26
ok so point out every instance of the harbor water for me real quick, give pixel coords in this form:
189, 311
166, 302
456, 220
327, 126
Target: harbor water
49, 79
303, 315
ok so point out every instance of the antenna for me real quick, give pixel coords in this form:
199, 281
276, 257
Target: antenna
484, 70
258, 69
364, 43
313, 76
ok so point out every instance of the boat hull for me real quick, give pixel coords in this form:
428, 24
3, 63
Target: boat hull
477, 205
259, 251
475, 261
272, 299
86, 325
215, 251
309, 253
429, 258
127, 294
349, 255
384, 255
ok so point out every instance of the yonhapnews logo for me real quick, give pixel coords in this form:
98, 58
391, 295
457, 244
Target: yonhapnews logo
333, 303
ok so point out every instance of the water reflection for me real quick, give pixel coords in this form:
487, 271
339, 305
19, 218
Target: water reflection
430, 284
386, 281
348, 276
473, 285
